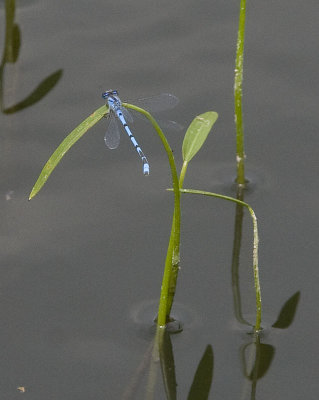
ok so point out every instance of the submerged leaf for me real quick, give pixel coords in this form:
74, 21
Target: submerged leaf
197, 133
67, 143
39, 92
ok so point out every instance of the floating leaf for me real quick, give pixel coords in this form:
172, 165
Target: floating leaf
287, 313
203, 377
197, 133
44, 87
67, 143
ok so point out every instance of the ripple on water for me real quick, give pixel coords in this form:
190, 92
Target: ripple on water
144, 314
223, 180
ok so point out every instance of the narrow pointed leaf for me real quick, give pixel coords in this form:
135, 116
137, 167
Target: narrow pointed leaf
287, 313
67, 143
203, 377
39, 92
197, 133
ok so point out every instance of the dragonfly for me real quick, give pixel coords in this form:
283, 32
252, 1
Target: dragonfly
119, 115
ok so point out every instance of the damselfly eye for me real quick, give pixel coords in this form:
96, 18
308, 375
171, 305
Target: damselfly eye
108, 93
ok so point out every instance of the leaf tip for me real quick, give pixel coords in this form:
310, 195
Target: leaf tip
32, 194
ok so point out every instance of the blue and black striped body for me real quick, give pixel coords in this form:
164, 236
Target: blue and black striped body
115, 106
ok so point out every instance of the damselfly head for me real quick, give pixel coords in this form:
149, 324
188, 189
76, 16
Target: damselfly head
108, 93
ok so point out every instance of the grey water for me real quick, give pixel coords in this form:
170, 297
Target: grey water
82, 263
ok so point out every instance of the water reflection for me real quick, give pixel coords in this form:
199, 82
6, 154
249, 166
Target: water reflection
239, 215
203, 377
287, 312
163, 350
20, 3
256, 356
10, 56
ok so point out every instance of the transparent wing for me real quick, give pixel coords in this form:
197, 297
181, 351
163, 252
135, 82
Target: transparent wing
127, 115
112, 134
158, 103
172, 126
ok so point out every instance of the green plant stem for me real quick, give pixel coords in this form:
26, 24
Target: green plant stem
255, 247
173, 252
182, 174
240, 152
175, 267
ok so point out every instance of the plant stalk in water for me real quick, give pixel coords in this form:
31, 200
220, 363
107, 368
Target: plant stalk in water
173, 251
238, 94
194, 139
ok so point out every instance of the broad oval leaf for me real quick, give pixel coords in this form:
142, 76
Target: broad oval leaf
197, 133
67, 143
39, 92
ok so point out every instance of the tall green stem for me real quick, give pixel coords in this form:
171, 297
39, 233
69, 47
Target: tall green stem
172, 257
240, 151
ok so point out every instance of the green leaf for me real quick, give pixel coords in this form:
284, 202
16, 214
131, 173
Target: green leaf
203, 377
39, 92
287, 313
67, 143
197, 133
